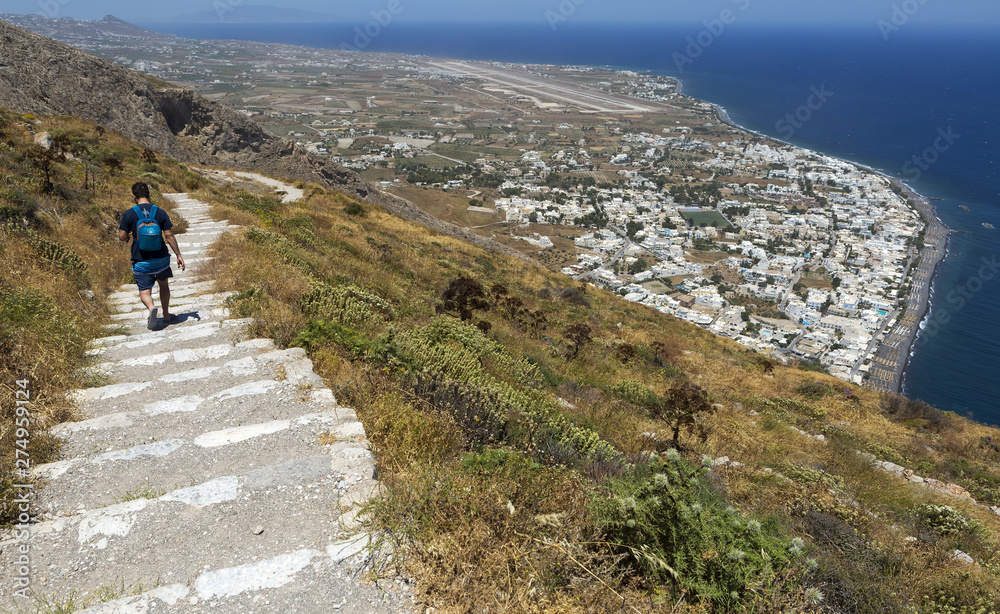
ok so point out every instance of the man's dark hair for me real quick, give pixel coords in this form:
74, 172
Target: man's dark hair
140, 190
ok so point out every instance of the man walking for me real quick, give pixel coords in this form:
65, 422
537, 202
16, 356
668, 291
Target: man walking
150, 227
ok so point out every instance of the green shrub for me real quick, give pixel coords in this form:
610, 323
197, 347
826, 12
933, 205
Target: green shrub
282, 246
462, 369
346, 304
808, 475
814, 391
266, 208
673, 525
635, 392
946, 520
886, 453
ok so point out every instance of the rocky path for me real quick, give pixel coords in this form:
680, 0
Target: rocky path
212, 472
288, 193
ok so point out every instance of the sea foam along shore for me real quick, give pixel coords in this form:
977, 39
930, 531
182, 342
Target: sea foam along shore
930, 257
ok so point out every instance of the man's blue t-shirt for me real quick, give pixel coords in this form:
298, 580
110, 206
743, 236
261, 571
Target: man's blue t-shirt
130, 222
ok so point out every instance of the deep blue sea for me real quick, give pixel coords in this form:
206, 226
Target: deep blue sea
884, 102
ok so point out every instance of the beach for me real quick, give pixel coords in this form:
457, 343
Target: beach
893, 354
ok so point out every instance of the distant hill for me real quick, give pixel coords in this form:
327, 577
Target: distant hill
66, 28
45, 77
249, 13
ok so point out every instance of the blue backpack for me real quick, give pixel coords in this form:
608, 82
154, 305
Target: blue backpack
148, 232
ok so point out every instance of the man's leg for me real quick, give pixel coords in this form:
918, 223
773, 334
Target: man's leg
145, 283
146, 296
165, 297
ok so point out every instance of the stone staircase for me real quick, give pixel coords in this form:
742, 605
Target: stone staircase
214, 472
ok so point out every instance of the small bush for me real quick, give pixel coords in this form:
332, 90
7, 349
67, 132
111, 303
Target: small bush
814, 391
946, 520
674, 526
808, 475
914, 413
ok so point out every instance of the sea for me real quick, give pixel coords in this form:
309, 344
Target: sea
915, 102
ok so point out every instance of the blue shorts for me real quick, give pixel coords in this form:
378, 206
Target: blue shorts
145, 280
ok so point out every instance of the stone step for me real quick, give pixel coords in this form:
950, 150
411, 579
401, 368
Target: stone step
135, 323
152, 364
187, 416
235, 520
167, 464
181, 279
280, 366
176, 291
192, 333
307, 580
130, 306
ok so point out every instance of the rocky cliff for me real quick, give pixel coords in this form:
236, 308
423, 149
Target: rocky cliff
45, 77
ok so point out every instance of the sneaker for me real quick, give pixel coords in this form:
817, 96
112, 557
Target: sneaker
151, 322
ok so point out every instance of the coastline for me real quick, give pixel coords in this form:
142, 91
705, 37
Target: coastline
936, 244
894, 352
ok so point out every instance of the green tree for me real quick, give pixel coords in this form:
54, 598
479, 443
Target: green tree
632, 228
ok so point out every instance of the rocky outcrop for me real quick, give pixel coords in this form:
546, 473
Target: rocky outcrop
45, 77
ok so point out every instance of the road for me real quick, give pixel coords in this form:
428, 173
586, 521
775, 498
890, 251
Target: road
614, 259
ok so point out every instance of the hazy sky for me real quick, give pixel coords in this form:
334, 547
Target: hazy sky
928, 12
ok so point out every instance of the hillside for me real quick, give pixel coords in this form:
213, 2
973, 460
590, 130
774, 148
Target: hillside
44, 77
67, 28
544, 446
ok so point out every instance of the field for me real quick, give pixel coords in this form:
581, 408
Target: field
706, 218
656, 287
701, 257
447, 206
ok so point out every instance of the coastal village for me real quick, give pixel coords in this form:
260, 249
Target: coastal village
615, 178
767, 240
